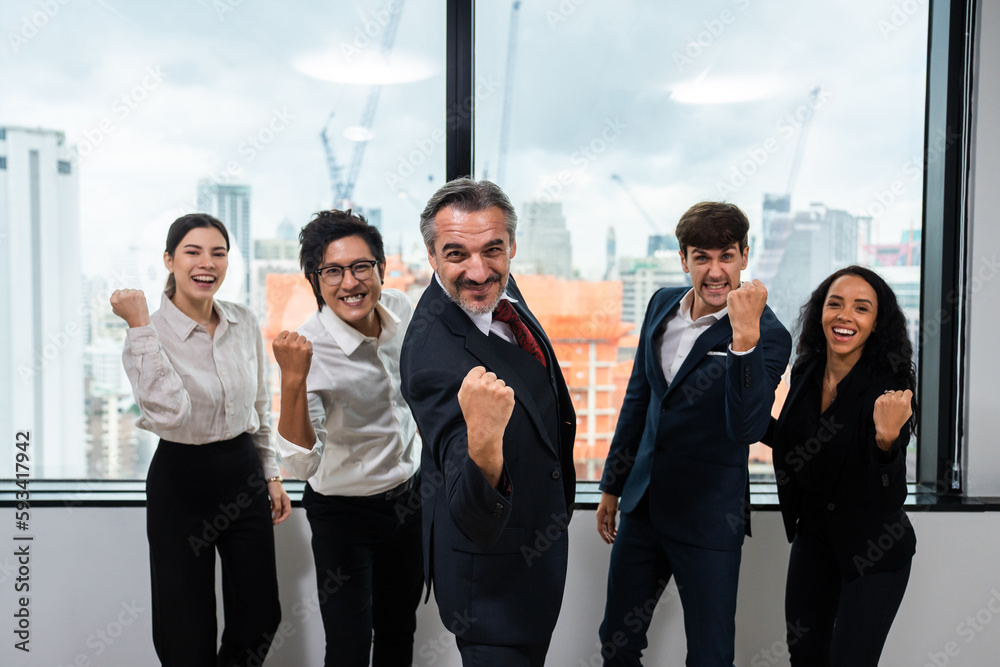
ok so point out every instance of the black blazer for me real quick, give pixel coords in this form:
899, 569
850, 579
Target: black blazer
686, 444
858, 491
497, 564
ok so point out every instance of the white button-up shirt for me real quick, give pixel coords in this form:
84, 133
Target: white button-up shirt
196, 389
366, 439
681, 333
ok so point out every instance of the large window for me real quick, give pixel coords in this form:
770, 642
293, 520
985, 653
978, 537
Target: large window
117, 118
606, 121
602, 121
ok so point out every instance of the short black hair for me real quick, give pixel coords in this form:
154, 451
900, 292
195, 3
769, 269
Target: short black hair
327, 227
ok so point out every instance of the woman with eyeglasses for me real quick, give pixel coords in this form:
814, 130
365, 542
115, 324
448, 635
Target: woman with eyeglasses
197, 372
839, 462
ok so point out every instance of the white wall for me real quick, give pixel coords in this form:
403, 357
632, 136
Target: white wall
89, 575
983, 458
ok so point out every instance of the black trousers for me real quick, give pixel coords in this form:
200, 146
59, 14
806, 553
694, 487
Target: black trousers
369, 574
832, 621
484, 655
642, 563
200, 499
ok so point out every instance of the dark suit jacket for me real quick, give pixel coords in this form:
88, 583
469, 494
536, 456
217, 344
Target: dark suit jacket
687, 444
858, 491
497, 562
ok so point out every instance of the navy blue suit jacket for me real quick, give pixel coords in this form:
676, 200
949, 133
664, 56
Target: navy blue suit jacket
497, 563
687, 443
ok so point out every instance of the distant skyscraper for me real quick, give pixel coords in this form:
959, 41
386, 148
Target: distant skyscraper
41, 327
544, 245
231, 205
611, 253
641, 277
662, 243
800, 255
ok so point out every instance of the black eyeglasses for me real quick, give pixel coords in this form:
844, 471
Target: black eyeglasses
333, 275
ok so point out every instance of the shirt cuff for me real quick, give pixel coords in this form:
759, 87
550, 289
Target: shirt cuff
142, 340
288, 449
740, 354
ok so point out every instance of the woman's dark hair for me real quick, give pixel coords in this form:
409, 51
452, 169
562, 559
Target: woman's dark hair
327, 227
179, 228
888, 348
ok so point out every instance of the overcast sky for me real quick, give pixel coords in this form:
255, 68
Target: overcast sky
673, 96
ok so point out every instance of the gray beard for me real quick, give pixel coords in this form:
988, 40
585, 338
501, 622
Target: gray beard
480, 310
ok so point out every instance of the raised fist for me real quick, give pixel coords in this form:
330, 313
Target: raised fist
130, 305
293, 353
746, 304
487, 403
892, 410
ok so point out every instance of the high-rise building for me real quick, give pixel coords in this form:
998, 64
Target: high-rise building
543, 242
642, 276
230, 203
41, 316
801, 253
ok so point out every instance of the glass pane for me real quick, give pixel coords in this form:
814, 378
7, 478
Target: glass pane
608, 121
259, 113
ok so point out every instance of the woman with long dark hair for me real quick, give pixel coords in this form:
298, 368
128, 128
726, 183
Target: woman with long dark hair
197, 372
839, 462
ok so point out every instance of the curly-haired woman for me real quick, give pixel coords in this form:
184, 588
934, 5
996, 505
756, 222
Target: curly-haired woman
839, 461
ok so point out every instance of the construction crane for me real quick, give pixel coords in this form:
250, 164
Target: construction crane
508, 86
635, 202
341, 185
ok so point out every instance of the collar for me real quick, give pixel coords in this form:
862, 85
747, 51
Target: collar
687, 302
183, 325
481, 320
348, 338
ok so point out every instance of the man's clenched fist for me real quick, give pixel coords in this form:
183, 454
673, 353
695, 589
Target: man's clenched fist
746, 304
487, 403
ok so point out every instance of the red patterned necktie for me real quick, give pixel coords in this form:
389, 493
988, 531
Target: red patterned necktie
506, 314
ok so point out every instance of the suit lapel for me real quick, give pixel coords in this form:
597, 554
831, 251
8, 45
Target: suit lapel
489, 353
719, 332
654, 368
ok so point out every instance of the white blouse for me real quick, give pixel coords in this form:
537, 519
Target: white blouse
194, 389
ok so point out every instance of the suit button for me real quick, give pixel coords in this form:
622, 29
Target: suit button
666, 409
556, 474
831, 507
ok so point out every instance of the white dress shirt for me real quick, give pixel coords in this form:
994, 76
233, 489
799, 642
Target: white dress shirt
681, 332
366, 439
196, 389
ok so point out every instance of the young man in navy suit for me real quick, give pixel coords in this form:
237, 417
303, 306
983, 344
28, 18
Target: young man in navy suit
498, 427
702, 385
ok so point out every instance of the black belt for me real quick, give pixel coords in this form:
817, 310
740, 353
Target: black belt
397, 491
